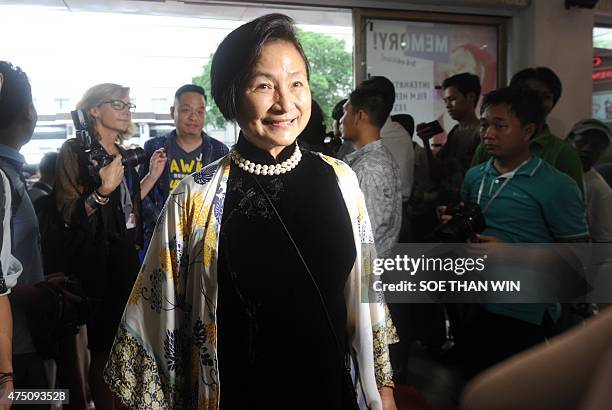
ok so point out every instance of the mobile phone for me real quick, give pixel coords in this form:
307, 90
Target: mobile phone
434, 128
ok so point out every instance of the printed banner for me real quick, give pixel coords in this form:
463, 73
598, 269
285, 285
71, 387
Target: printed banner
417, 57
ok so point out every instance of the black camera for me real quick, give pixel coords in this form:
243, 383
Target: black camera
467, 221
95, 151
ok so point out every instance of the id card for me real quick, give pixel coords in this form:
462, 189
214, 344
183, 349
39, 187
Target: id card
131, 222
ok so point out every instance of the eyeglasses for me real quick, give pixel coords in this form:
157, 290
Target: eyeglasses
119, 105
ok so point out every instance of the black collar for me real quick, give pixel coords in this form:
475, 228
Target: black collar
255, 154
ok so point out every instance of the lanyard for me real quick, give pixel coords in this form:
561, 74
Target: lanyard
482, 182
494, 195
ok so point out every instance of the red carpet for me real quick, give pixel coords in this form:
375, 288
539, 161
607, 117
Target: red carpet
408, 398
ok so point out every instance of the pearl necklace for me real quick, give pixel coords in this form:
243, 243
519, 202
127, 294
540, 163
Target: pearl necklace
259, 169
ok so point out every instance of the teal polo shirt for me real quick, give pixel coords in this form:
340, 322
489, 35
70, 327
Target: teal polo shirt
535, 204
538, 205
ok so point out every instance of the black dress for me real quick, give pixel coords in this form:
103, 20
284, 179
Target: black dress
275, 348
100, 251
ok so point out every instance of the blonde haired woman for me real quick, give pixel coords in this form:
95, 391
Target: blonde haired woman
101, 207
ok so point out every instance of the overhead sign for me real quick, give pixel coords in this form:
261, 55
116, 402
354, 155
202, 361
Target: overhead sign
602, 69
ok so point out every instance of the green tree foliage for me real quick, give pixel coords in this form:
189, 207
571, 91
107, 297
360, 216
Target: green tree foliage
331, 71
214, 118
331, 75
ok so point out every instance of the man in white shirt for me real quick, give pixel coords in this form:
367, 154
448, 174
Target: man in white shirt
591, 138
399, 141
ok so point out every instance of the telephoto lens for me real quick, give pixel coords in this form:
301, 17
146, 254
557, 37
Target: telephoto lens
134, 157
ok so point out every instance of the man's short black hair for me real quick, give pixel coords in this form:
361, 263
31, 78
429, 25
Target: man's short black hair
189, 88
594, 130
525, 104
15, 95
338, 110
47, 164
600, 138
465, 83
375, 96
238, 53
406, 121
543, 74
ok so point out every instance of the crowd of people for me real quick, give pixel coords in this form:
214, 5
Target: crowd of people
148, 279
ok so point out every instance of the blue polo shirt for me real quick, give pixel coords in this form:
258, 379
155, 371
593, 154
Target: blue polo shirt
536, 203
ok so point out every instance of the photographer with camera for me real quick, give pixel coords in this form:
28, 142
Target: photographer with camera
438, 176
99, 194
461, 95
523, 200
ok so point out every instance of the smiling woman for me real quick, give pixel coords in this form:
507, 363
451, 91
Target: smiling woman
253, 277
276, 102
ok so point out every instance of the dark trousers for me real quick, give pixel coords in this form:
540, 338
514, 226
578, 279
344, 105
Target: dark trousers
30, 374
488, 338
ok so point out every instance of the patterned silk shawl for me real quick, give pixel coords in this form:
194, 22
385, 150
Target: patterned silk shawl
164, 354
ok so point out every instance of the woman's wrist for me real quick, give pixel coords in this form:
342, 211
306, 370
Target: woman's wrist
101, 191
96, 200
6, 377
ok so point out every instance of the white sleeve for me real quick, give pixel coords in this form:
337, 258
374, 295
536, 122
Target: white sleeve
11, 267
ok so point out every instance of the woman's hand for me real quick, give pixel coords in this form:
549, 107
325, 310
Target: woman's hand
111, 176
388, 401
157, 164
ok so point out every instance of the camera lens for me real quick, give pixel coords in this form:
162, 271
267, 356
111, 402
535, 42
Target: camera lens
134, 157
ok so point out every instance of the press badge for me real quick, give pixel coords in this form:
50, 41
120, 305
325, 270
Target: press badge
131, 222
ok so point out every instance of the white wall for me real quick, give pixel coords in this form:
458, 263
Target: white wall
546, 34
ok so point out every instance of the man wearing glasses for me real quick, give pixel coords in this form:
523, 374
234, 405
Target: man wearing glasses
188, 148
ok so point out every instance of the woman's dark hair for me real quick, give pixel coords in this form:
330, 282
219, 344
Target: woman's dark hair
524, 103
15, 94
239, 52
543, 74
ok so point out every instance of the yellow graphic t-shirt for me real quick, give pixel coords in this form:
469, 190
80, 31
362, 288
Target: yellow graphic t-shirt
181, 163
